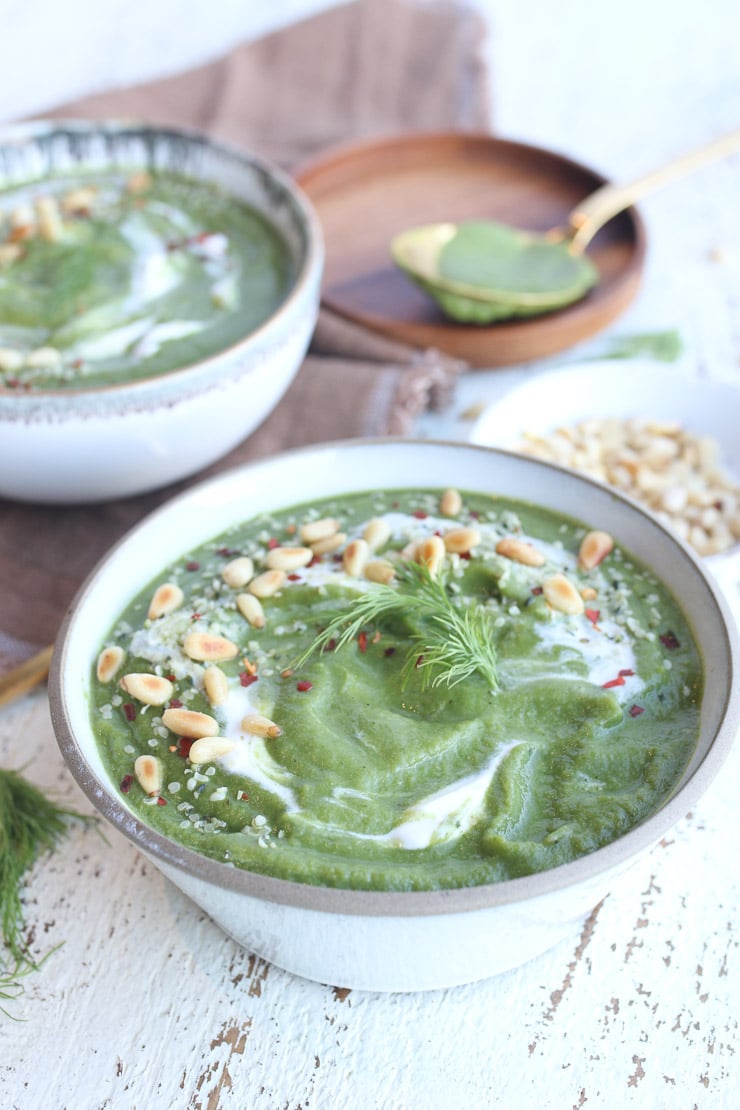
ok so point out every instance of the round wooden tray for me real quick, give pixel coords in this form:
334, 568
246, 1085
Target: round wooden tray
367, 192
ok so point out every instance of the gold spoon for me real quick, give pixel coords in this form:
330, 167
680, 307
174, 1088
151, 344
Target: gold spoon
481, 271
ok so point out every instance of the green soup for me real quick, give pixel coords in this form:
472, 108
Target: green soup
398, 760
106, 278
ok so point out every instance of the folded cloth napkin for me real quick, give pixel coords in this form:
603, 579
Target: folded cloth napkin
369, 67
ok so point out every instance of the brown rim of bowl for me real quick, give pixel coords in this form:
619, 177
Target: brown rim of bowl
310, 267
615, 855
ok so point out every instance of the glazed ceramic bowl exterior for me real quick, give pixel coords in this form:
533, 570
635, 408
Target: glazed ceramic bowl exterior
376, 940
108, 442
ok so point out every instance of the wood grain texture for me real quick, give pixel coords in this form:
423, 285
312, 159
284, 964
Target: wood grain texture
368, 192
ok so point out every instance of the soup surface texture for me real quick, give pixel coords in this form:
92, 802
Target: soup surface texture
399, 691
108, 278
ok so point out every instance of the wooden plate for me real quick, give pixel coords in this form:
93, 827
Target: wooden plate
367, 192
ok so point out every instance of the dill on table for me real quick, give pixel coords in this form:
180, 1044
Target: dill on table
450, 642
29, 824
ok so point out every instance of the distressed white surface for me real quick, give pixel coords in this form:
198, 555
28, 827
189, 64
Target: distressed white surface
147, 1005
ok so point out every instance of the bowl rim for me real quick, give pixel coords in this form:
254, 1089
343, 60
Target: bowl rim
309, 271
612, 857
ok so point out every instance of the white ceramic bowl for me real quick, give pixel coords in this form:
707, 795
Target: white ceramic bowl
363, 939
108, 442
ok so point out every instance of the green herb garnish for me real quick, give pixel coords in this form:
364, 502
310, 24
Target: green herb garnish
449, 642
29, 824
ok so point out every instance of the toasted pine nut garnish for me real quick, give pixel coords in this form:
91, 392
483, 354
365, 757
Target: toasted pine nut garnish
431, 551
49, 217
409, 552
267, 583
595, 546
10, 253
331, 543
207, 647
562, 595
79, 202
147, 688
377, 532
139, 182
520, 551
43, 358
250, 608
380, 570
109, 662
355, 556
215, 684
207, 748
258, 725
588, 593
148, 771
186, 722
238, 572
288, 558
461, 540
21, 219
314, 530
166, 599
450, 503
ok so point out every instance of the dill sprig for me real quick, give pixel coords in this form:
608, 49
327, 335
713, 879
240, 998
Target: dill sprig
29, 824
448, 643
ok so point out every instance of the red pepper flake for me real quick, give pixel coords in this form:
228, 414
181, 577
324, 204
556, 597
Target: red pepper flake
636, 710
475, 514
389, 651
184, 744
161, 801
614, 682
420, 514
626, 673
362, 641
419, 660
171, 677
130, 711
537, 590
669, 640
464, 555
294, 577
126, 783
175, 704
593, 615
242, 796
77, 363
303, 685
192, 565
337, 558
227, 552
316, 559
272, 543
330, 645
246, 679
195, 616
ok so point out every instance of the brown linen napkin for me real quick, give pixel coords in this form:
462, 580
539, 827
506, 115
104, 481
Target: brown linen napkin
374, 66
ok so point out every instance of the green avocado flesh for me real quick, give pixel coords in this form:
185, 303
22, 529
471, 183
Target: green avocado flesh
140, 282
380, 779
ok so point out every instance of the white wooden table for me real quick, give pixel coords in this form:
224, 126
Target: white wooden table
148, 1005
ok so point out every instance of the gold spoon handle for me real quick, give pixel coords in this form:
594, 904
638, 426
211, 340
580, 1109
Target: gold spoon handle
27, 675
598, 208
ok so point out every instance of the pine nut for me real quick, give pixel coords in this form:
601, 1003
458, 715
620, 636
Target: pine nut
450, 503
288, 558
147, 688
148, 771
380, 570
207, 748
588, 593
207, 647
331, 543
377, 533
166, 599
10, 253
238, 572
49, 217
257, 725
431, 552
109, 662
139, 182
43, 358
461, 540
314, 530
186, 722
216, 685
409, 553
250, 608
595, 546
520, 552
267, 583
562, 595
355, 556
79, 202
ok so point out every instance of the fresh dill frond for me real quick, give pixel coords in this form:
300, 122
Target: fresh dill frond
30, 823
448, 642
